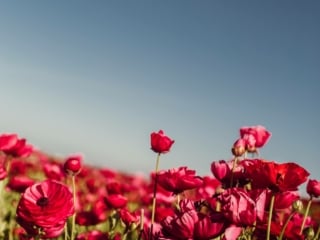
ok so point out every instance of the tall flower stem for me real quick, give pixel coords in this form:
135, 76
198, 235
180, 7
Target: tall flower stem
285, 226
154, 195
141, 223
270, 217
234, 164
306, 215
73, 223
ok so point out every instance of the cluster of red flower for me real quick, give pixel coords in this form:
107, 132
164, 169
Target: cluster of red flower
245, 198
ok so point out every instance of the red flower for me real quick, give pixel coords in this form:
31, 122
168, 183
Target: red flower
20, 183
72, 165
3, 169
313, 188
160, 143
127, 217
44, 208
116, 201
180, 227
256, 136
275, 176
238, 207
10, 144
205, 228
177, 180
8, 141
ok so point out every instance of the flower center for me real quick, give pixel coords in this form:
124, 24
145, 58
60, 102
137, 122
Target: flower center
42, 202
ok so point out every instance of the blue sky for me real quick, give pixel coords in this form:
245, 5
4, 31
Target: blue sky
99, 77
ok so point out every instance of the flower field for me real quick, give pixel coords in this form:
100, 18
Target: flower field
245, 198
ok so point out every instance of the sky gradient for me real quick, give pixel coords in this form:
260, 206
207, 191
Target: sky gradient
99, 77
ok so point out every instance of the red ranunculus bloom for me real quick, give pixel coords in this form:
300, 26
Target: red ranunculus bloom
177, 180
10, 144
259, 133
238, 207
44, 208
275, 176
160, 143
8, 141
72, 165
116, 201
313, 188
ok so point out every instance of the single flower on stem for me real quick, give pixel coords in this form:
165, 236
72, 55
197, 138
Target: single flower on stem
72, 167
160, 143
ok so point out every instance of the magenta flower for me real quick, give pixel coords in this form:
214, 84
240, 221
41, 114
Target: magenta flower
260, 134
10, 144
44, 209
238, 207
160, 143
313, 188
177, 180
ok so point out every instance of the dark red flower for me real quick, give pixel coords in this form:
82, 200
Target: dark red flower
72, 164
177, 180
92, 235
128, 217
20, 183
116, 201
275, 176
160, 143
313, 188
44, 208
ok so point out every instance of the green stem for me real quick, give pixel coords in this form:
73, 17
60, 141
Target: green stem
232, 171
317, 234
141, 223
306, 215
285, 226
73, 223
270, 217
154, 195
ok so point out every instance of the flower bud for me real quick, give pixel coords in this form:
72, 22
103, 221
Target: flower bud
313, 188
73, 164
239, 147
308, 233
297, 205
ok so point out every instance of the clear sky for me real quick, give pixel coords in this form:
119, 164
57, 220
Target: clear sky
98, 77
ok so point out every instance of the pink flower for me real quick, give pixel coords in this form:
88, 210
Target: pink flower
177, 180
8, 141
10, 144
255, 134
44, 208
180, 227
313, 188
238, 207
160, 143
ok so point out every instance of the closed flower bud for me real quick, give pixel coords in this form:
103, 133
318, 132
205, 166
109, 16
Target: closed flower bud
73, 164
239, 147
298, 205
313, 188
309, 233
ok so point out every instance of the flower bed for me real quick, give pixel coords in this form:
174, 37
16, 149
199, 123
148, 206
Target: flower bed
247, 197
